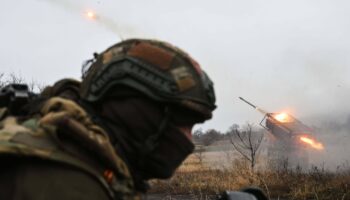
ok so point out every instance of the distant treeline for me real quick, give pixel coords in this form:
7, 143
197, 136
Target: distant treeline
210, 136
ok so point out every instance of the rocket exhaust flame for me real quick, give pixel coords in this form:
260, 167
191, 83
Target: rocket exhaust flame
109, 23
284, 126
282, 117
311, 142
90, 14
104, 21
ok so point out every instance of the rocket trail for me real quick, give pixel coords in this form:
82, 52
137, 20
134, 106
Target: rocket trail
104, 21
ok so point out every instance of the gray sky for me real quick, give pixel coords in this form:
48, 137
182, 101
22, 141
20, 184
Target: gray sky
281, 55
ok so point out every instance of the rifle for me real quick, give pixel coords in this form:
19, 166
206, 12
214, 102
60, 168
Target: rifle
14, 96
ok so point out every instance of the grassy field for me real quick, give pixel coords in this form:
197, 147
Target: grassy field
200, 181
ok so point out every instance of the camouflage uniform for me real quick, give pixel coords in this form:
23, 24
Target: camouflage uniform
51, 139
68, 137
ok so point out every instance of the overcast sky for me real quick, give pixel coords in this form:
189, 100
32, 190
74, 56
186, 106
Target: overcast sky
281, 55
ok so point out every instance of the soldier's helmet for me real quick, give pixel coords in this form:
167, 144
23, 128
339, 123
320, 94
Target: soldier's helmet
156, 69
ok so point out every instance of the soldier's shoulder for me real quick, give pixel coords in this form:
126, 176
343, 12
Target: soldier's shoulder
63, 132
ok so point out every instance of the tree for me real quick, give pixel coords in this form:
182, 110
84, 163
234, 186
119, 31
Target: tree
17, 79
210, 136
13, 78
246, 142
197, 135
199, 153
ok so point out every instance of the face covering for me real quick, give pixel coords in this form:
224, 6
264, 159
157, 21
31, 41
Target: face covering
172, 149
132, 121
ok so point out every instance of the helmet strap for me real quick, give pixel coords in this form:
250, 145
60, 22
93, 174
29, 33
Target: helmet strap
152, 141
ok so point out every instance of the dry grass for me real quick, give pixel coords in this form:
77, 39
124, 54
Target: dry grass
195, 179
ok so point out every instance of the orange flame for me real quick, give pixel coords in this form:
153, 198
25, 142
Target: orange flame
90, 14
313, 143
282, 117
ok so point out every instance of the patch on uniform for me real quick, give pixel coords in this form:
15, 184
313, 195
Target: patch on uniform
183, 78
110, 54
153, 55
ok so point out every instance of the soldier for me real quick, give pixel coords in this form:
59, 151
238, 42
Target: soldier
129, 120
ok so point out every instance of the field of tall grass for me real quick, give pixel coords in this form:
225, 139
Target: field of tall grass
202, 182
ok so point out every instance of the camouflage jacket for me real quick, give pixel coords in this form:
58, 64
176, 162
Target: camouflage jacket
89, 149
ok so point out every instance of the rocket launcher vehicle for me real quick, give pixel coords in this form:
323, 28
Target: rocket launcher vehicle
285, 127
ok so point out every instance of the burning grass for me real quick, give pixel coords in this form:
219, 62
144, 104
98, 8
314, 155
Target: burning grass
198, 181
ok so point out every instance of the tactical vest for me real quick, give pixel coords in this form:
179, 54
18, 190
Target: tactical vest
40, 136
